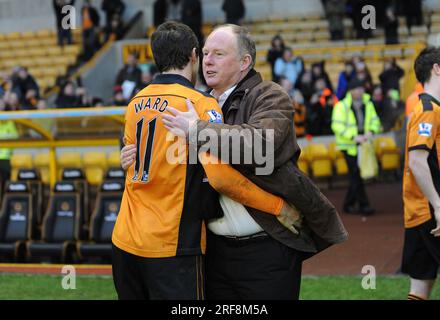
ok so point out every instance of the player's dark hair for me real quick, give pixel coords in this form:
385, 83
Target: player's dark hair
172, 44
424, 62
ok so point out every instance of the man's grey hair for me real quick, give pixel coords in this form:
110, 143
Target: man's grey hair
245, 43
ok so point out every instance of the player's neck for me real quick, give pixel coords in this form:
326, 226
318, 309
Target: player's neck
186, 72
432, 89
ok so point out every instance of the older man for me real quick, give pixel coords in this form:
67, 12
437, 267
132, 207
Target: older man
251, 255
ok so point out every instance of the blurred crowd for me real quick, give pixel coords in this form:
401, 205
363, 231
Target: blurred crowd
314, 95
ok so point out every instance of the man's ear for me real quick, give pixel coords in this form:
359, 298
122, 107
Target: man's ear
436, 69
194, 55
246, 62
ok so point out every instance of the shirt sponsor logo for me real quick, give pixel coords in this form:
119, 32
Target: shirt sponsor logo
425, 129
215, 117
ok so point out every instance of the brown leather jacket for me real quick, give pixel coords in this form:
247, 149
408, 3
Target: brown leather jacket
258, 104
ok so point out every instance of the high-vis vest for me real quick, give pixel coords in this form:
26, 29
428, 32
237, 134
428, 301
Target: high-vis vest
344, 123
7, 131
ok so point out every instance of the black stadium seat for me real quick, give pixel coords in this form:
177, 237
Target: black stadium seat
36, 188
102, 222
61, 225
78, 177
16, 220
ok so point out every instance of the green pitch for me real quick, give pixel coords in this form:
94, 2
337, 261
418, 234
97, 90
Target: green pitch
35, 287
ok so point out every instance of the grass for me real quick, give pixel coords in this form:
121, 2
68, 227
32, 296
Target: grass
350, 288
49, 287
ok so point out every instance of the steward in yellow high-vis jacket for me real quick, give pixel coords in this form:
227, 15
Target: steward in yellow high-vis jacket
8, 130
354, 120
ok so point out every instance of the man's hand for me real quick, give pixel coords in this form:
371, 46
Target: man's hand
290, 218
436, 232
180, 123
128, 153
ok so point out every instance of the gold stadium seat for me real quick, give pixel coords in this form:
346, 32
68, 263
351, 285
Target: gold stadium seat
4, 45
17, 44
44, 33
54, 51
28, 35
48, 42
113, 159
37, 52
13, 36
32, 43
68, 159
387, 153
20, 161
338, 159
320, 161
43, 61
72, 49
41, 162
303, 163
95, 164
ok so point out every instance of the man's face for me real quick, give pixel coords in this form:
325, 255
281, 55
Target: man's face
357, 93
221, 61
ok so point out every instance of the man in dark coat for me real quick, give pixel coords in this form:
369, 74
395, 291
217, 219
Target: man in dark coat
234, 10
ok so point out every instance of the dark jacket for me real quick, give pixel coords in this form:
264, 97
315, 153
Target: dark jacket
258, 104
129, 73
112, 7
234, 10
94, 15
59, 15
160, 9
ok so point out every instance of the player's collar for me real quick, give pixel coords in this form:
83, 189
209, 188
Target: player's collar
429, 97
172, 78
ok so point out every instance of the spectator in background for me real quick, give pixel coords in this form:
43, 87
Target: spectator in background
354, 120
23, 82
358, 16
276, 51
8, 130
174, 11
116, 30
344, 78
391, 24
363, 74
392, 109
390, 76
30, 101
413, 13
160, 9
67, 97
42, 104
192, 17
12, 101
234, 10
64, 35
305, 85
320, 110
335, 12
112, 8
129, 76
118, 98
90, 29
299, 117
318, 72
288, 66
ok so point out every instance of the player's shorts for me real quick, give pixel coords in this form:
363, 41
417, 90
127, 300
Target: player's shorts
174, 278
421, 252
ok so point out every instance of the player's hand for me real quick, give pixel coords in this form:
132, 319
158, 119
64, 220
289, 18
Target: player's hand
180, 122
436, 232
128, 153
290, 218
